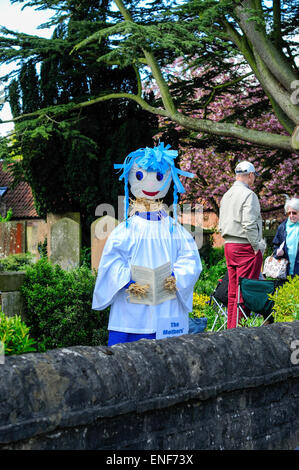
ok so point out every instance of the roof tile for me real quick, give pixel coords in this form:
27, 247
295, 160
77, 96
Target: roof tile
20, 199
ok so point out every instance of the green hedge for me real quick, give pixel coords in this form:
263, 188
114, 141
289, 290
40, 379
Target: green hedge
16, 262
209, 276
58, 307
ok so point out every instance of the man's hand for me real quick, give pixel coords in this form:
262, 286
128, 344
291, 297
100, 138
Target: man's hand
262, 245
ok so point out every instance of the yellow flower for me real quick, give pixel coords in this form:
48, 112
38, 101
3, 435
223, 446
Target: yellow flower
199, 302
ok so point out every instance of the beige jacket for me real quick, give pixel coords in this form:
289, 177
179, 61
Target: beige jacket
240, 218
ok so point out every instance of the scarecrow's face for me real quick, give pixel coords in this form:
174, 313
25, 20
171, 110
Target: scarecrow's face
148, 184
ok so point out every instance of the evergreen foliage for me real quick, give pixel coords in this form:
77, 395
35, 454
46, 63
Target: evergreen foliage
141, 39
57, 307
210, 34
67, 153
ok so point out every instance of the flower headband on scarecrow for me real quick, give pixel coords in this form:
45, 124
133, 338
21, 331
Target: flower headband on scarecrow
149, 171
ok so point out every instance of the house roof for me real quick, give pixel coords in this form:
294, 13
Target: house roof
20, 198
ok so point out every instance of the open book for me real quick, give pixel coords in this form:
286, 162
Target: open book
154, 278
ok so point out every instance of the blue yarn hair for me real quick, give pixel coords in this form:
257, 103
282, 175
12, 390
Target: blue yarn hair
159, 159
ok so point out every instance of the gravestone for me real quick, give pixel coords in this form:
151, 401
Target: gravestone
52, 219
36, 233
65, 237
100, 231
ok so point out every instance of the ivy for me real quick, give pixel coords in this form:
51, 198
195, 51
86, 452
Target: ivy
8, 216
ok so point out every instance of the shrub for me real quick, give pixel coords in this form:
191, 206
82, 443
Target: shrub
216, 255
17, 262
85, 257
286, 300
58, 306
14, 335
214, 268
213, 321
252, 321
209, 277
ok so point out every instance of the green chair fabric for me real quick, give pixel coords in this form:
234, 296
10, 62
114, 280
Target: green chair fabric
255, 294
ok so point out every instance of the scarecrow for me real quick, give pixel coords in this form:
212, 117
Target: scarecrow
148, 238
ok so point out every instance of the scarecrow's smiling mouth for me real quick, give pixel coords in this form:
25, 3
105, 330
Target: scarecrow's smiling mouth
147, 193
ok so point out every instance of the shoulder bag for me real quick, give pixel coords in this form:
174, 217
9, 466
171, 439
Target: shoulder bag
275, 268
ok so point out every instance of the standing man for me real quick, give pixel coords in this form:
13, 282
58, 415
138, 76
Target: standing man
240, 224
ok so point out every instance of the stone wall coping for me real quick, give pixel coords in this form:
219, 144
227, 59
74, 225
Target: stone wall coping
43, 392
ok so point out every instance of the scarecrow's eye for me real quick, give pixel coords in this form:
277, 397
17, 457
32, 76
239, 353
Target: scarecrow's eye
159, 176
139, 175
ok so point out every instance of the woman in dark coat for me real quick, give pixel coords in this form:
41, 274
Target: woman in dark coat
286, 239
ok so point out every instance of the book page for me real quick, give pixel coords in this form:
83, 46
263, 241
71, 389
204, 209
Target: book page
161, 294
143, 276
155, 279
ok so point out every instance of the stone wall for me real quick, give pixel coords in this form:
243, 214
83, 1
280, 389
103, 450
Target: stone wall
61, 232
12, 238
11, 300
238, 389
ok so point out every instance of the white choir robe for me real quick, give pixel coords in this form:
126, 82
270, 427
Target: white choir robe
148, 243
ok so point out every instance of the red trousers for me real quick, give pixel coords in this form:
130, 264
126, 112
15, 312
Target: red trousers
241, 262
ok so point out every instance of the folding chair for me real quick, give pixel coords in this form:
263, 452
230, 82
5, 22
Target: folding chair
219, 300
255, 297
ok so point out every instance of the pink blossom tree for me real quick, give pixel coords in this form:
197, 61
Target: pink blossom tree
213, 160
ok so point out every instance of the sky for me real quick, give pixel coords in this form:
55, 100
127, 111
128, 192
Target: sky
26, 21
